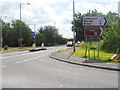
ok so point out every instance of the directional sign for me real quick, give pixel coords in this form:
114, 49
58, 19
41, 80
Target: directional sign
93, 31
95, 21
34, 35
92, 38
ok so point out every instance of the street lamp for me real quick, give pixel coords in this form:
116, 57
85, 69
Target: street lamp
20, 40
73, 26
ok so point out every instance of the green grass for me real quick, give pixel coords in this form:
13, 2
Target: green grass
61, 50
12, 49
103, 56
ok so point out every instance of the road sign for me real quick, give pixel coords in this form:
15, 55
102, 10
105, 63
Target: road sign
93, 31
92, 48
92, 38
34, 35
95, 21
20, 39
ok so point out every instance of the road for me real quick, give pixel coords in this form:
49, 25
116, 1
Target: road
37, 70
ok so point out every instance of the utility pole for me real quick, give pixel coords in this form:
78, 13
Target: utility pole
54, 37
73, 26
20, 40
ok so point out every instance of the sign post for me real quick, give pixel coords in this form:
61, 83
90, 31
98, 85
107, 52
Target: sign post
95, 21
34, 36
93, 29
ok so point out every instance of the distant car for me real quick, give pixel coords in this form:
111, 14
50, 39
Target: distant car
69, 44
78, 42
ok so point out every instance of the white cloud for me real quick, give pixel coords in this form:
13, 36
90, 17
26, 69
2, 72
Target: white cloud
46, 12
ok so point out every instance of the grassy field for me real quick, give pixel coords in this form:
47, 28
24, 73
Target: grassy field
12, 49
103, 56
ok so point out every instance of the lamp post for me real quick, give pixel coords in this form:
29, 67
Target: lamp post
20, 40
73, 26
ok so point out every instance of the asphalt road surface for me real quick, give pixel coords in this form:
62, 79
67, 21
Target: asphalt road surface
37, 70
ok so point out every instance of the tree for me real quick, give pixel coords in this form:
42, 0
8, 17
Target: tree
77, 23
40, 39
111, 34
26, 32
78, 27
6, 30
11, 33
49, 32
51, 35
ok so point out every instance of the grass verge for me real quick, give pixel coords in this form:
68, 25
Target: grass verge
103, 56
12, 49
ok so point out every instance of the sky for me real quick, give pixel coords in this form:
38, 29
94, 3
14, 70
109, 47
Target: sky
58, 13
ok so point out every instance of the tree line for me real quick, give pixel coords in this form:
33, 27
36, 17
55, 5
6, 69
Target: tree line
11, 34
50, 36
111, 35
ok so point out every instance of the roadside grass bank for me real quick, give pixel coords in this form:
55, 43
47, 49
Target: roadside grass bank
12, 49
93, 54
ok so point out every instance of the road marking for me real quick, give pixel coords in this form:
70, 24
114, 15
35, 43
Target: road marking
61, 85
23, 54
4, 66
28, 60
17, 62
25, 60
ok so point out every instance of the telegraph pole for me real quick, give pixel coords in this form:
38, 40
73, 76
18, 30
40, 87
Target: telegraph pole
20, 28
54, 37
21, 39
73, 26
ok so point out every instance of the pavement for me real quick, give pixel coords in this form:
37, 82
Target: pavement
68, 57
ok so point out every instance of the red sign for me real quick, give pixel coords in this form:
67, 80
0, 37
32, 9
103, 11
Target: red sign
93, 31
20, 39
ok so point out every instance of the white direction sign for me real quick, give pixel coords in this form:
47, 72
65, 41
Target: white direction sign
97, 21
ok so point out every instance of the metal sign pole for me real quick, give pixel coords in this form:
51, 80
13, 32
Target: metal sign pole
34, 38
86, 47
99, 47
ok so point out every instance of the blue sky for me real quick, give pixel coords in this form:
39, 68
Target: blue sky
46, 12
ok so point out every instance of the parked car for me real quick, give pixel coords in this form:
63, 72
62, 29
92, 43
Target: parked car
69, 44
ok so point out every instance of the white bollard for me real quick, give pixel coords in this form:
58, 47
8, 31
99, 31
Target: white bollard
42, 45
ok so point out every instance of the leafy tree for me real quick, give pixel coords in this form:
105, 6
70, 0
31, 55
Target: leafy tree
11, 33
25, 32
79, 29
40, 39
51, 35
6, 29
111, 34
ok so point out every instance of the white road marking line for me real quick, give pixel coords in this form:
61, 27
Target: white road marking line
61, 85
27, 60
23, 54
4, 66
